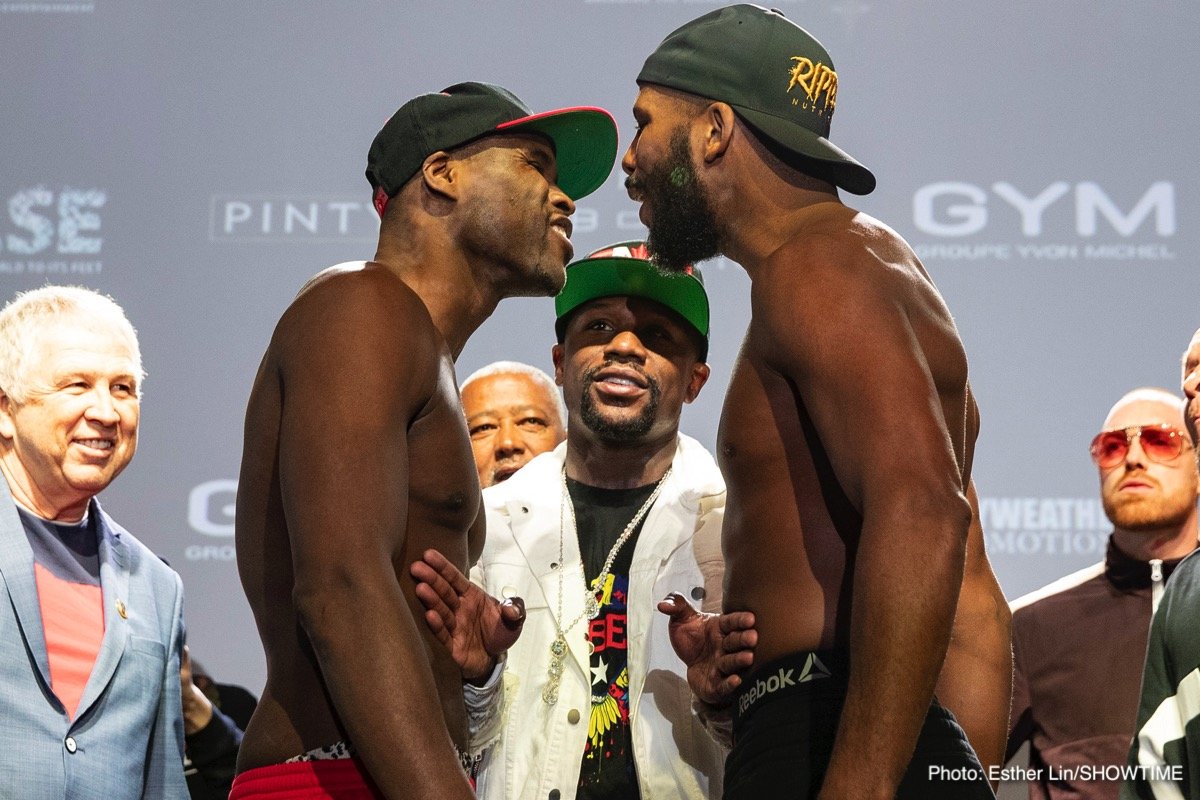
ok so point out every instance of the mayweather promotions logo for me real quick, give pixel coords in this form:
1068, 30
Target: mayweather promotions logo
814, 80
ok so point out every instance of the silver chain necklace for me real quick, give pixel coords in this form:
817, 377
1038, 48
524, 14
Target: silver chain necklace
591, 607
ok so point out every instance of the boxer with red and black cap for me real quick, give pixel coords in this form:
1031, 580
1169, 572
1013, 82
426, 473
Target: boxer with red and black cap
847, 435
357, 458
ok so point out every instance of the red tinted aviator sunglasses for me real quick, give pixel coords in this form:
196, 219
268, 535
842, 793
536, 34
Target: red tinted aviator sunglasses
1160, 443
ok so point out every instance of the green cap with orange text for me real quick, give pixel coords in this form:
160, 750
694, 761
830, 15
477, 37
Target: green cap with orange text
774, 74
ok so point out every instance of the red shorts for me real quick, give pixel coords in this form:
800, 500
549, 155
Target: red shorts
335, 779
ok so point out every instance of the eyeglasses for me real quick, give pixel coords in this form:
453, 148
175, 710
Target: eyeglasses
1160, 443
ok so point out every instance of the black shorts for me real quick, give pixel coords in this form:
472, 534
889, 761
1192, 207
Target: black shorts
785, 719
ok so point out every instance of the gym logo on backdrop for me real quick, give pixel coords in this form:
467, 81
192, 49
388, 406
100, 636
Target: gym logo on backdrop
210, 512
292, 218
52, 231
1060, 222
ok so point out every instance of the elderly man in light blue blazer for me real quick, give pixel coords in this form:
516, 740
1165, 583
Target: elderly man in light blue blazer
91, 620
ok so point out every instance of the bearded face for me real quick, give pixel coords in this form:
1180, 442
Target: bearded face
683, 228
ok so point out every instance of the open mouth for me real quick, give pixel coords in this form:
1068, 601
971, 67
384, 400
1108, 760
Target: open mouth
504, 473
562, 225
620, 383
634, 190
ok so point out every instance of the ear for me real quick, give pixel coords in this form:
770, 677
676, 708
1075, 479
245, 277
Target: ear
8, 428
556, 355
700, 373
439, 175
380, 201
717, 122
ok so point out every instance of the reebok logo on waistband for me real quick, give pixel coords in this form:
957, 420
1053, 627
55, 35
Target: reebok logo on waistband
813, 670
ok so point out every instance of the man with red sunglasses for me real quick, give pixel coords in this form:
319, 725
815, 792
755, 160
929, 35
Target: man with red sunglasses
1078, 644
1164, 756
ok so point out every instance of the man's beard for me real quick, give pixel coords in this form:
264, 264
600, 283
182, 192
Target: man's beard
683, 228
620, 431
1148, 514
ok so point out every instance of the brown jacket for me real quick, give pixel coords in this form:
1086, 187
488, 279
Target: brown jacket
1078, 649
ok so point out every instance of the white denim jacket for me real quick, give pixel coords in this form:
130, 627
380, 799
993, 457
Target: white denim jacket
679, 549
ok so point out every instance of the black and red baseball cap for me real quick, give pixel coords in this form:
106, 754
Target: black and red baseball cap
584, 138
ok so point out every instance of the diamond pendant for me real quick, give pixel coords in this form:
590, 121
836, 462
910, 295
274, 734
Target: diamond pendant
592, 607
558, 650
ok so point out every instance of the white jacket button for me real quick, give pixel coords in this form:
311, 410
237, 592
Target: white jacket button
70, 744
573, 716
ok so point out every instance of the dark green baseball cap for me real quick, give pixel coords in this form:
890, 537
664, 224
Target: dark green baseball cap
772, 72
625, 270
584, 138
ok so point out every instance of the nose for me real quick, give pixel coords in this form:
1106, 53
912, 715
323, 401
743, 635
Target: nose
626, 345
1135, 456
508, 442
629, 160
102, 409
561, 201
1191, 383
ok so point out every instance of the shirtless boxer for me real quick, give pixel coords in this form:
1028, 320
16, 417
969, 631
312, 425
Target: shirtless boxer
356, 454
847, 434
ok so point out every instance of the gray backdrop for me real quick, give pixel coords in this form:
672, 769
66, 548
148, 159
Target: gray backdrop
199, 161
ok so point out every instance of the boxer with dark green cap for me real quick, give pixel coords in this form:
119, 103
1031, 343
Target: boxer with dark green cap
846, 440
774, 75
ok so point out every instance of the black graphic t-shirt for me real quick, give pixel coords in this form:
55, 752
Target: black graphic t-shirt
608, 771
